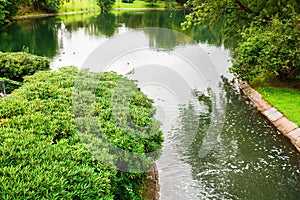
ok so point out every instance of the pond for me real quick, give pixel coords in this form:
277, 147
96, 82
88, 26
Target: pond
217, 145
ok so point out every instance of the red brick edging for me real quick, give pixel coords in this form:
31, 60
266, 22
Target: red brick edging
285, 126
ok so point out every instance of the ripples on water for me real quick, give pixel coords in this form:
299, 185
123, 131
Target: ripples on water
250, 158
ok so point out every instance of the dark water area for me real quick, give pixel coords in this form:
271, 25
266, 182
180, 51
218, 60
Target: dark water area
217, 145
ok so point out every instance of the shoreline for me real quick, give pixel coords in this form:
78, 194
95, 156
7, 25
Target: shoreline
282, 124
152, 188
83, 12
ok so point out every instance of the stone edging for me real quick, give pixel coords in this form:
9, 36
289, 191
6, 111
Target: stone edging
285, 126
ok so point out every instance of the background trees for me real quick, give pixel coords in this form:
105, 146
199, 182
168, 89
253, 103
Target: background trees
268, 34
105, 5
9, 8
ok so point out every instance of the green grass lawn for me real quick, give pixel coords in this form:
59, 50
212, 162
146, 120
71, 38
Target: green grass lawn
85, 5
82, 5
286, 100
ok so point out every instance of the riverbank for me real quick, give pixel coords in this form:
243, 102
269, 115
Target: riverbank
283, 124
152, 188
82, 12
84, 6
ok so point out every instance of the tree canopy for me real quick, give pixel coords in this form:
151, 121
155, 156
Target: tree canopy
268, 31
105, 5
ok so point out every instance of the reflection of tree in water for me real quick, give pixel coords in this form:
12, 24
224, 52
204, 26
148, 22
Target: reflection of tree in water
40, 36
34, 32
217, 33
104, 24
167, 39
248, 157
107, 24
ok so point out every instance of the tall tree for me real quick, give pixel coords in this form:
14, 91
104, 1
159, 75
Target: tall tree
237, 11
106, 5
268, 31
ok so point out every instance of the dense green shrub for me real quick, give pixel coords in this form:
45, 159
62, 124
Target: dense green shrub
16, 65
271, 51
45, 153
128, 129
3, 12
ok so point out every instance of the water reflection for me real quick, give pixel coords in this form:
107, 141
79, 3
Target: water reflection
250, 160
40, 36
43, 36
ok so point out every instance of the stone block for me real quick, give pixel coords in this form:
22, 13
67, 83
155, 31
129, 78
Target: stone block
287, 127
269, 111
255, 96
247, 90
243, 85
294, 134
275, 116
282, 120
262, 105
297, 143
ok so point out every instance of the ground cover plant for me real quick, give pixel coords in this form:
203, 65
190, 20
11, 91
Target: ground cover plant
42, 153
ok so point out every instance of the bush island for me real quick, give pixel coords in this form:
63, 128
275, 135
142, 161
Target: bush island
43, 153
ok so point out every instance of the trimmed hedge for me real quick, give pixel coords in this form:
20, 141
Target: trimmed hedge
42, 154
16, 65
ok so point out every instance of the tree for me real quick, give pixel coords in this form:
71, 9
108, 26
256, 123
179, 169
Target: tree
236, 11
47, 5
268, 33
3, 12
272, 51
106, 5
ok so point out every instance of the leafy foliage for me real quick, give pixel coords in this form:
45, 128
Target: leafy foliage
47, 5
127, 1
130, 136
106, 5
16, 65
9, 8
268, 34
273, 51
41, 145
3, 11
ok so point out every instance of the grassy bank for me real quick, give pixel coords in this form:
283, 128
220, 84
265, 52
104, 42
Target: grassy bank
284, 98
91, 5
86, 5
83, 5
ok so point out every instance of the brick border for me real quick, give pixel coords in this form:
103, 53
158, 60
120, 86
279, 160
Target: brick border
285, 126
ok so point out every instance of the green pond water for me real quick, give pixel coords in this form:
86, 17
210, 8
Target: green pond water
217, 145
